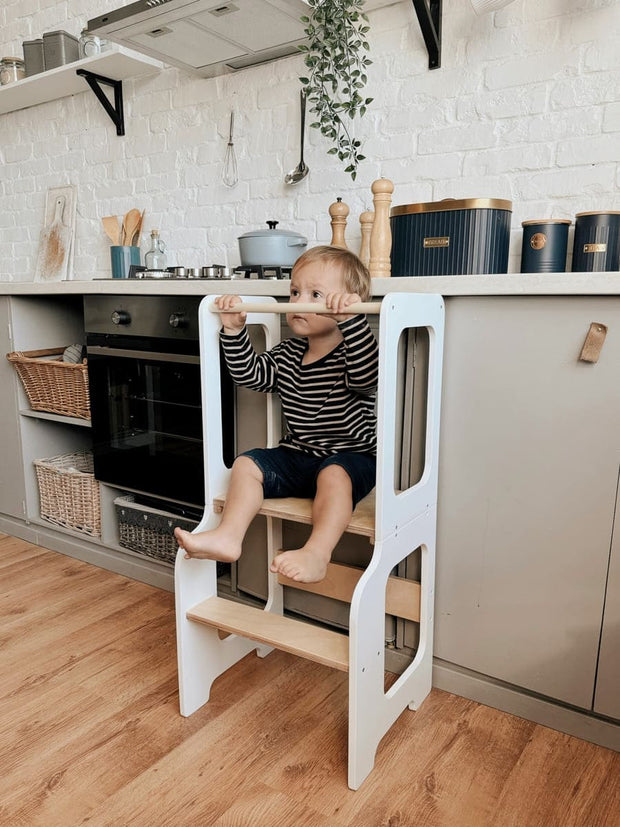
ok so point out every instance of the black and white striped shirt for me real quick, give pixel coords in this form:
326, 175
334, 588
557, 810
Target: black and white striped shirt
328, 405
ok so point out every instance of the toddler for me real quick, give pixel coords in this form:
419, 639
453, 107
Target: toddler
326, 377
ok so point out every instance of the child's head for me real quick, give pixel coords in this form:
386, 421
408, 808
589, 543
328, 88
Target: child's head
355, 276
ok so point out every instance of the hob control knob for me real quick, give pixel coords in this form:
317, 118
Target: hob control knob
178, 320
121, 317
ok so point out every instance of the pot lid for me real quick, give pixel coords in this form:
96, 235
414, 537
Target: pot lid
271, 232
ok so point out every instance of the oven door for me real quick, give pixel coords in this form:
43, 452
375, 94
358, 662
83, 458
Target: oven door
147, 420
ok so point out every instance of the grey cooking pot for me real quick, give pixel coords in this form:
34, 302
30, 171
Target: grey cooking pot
279, 248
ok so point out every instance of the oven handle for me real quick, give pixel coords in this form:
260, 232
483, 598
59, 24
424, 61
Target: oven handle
144, 355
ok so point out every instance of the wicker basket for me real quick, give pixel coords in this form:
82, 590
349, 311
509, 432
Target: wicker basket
52, 385
148, 530
69, 492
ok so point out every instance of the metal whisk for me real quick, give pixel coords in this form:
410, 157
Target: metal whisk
229, 175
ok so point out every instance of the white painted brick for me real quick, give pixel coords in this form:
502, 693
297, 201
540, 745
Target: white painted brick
550, 126
595, 149
586, 90
504, 160
484, 186
556, 63
589, 181
611, 119
593, 25
455, 138
603, 55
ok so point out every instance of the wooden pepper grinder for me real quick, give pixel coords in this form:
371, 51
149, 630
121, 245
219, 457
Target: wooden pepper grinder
338, 212
381, 235
366, 221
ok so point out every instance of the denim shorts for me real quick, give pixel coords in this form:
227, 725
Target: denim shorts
291, 473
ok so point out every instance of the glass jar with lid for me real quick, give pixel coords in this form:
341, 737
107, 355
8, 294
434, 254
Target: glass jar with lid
91, 44
11, 70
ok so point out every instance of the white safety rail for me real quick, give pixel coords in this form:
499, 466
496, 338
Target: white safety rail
403, 522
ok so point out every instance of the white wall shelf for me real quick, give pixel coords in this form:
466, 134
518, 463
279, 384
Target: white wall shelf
116, 63
51, 417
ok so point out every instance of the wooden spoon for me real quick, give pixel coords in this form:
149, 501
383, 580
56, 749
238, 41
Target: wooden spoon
135, 241
131, 222
112, 230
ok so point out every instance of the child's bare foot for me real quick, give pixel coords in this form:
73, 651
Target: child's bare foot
301, 564
208, 545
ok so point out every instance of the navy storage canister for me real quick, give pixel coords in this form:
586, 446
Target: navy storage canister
451, 237
597, 242
544, 245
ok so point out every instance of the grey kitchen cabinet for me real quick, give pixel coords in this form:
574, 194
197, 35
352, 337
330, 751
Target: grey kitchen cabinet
529, 461
607, 697
12, 486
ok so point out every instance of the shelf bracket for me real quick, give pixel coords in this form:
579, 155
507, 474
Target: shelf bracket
115, 112
429, 18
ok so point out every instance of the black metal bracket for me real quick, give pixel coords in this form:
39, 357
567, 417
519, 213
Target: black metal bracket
115, 112
429, 18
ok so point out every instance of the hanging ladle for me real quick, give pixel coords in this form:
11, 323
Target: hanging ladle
301, 170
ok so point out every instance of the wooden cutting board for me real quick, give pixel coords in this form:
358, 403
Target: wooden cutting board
54, 246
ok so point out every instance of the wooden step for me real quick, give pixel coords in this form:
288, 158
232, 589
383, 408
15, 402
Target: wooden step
299, 510
402, 597
294, 636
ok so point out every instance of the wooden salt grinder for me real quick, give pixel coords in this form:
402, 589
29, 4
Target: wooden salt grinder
381, 235
338, 212
366, 221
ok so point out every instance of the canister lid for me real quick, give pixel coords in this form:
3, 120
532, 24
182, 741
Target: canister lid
596, 212
451, 204
59, 33
546, 221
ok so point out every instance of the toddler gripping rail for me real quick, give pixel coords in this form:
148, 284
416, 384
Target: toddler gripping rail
397, 522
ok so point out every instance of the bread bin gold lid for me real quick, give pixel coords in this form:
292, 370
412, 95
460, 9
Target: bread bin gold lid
453, 204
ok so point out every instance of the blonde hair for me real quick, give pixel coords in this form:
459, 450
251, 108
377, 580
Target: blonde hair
355, 275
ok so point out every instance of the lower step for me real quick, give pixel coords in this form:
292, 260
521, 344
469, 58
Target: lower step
294, 636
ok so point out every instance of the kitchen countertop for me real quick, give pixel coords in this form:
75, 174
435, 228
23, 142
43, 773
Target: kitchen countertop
512, 284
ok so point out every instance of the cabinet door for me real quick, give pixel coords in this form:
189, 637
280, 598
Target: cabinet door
607, 698
529, 455
12, 489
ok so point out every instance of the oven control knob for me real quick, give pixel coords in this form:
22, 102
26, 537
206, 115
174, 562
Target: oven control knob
121, 317
178, 320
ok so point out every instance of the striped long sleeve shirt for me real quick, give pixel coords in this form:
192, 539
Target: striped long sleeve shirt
328, 405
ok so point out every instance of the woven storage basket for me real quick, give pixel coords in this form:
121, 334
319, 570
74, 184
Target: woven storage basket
52, 385
148, 530
69, 492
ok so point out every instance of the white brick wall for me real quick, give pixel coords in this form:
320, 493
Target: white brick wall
526, 106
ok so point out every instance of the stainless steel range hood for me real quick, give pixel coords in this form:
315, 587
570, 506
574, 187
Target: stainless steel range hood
206, 37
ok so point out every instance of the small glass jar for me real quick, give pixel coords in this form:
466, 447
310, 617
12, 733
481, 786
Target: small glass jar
11, 70
91, 44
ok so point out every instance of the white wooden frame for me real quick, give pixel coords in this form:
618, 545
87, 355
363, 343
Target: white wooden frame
404, 521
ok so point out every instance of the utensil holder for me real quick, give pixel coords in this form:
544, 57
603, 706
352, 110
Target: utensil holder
122, 258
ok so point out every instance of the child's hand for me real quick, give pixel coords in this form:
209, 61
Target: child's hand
338, 303
231, 322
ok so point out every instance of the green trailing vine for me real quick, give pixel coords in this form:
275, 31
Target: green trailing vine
337, 58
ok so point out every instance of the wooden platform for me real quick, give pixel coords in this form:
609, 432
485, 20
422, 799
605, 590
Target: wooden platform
294, 636
299, 510
402, 597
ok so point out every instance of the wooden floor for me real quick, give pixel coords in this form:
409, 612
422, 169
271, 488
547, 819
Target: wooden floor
90, 731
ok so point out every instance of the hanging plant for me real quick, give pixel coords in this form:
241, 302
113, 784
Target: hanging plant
337, 58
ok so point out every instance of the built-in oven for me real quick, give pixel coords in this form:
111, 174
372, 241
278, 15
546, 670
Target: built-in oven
145, 393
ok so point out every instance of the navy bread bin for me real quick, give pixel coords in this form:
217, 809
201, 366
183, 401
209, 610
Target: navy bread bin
451, 237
